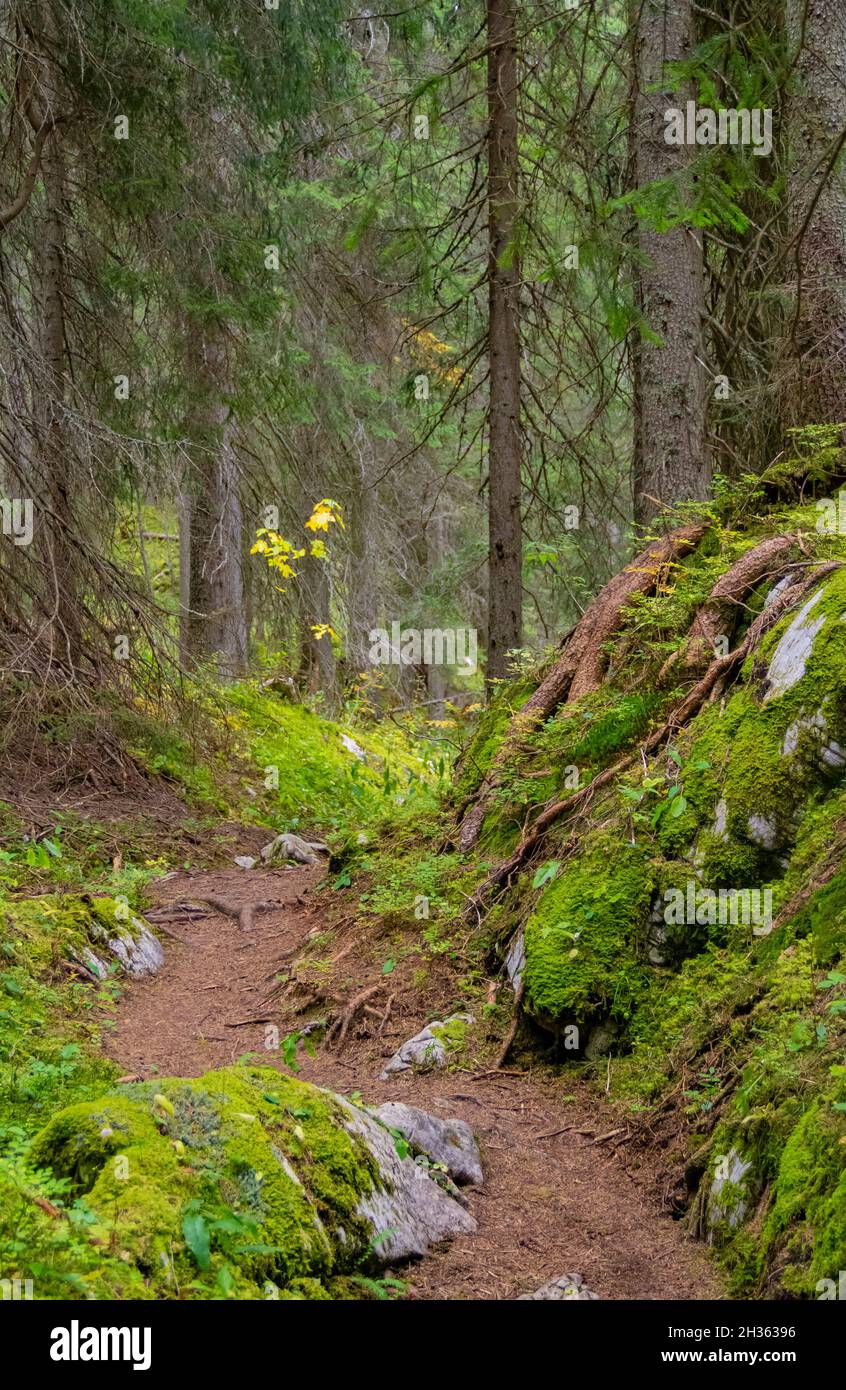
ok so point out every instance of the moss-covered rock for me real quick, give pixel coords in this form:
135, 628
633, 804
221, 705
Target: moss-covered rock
804, 1235
730, 1012
585, 941
242, 1183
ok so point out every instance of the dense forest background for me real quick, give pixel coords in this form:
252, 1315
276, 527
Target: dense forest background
439, 268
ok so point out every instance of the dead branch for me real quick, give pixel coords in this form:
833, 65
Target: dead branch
340, 1025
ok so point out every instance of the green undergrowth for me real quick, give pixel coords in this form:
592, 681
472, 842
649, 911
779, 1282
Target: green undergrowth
207, 1171
53, 1015
282, 764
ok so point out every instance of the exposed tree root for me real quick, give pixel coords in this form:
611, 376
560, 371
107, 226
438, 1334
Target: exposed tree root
715, 677
508, 1041
582, 664
716, 617
339, 1027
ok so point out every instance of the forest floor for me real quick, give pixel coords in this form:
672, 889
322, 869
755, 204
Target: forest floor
554, 1199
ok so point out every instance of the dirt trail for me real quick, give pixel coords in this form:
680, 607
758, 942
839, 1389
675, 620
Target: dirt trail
550, 1205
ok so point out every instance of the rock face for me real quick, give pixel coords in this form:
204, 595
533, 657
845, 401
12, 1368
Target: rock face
139, 951
566, 1288
450, 1142
353, 747
430, 1047
406, 1210
601, 1040
728, 1195
790, 657
243, 1180
515, 960
110, 930
293, 847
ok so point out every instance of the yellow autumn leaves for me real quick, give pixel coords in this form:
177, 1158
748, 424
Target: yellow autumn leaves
427, 348
282, 554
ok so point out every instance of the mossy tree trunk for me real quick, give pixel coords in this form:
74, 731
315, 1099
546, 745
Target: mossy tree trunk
505, 542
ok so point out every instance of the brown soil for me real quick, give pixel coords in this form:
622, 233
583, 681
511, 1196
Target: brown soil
550, 1204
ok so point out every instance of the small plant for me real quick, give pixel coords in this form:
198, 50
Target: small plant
663, 795
704, 1095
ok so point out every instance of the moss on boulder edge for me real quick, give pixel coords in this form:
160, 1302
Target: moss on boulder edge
95, 931
242, 1183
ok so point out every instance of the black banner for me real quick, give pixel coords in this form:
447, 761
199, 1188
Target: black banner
73, 1340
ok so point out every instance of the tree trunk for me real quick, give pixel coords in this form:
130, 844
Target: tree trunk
670, 456
57, 483
360, 570
214, 623
317, 657
505, 626
183, 513
816, 328
435, 546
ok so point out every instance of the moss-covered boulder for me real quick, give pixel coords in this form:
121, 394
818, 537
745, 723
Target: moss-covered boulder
243, 1183
688, 913
584, 942
100, 933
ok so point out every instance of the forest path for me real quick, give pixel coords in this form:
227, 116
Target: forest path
552, 1203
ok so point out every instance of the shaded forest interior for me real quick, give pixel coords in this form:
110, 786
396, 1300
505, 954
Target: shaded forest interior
422, 501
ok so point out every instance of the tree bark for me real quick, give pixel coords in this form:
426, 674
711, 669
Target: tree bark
671, 463
318, 670
214, 623
505, 546
56, 454
816, 329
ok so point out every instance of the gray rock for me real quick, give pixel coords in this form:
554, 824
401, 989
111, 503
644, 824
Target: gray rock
515, 960
293, 847
790, 657
245, 861
567, 1287
138, 952
729, 1194
426, 1050
762, 832
656, 934
827, 753
778, 589
721, 819
600, 1041
450, 1142
353, 747
833, 755
409, 1211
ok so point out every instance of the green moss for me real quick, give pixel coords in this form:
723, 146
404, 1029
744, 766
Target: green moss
824, 916
806, 1223
679, 1014
493, 722
452, 1033
585, 939
260, 1164
49, 1038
